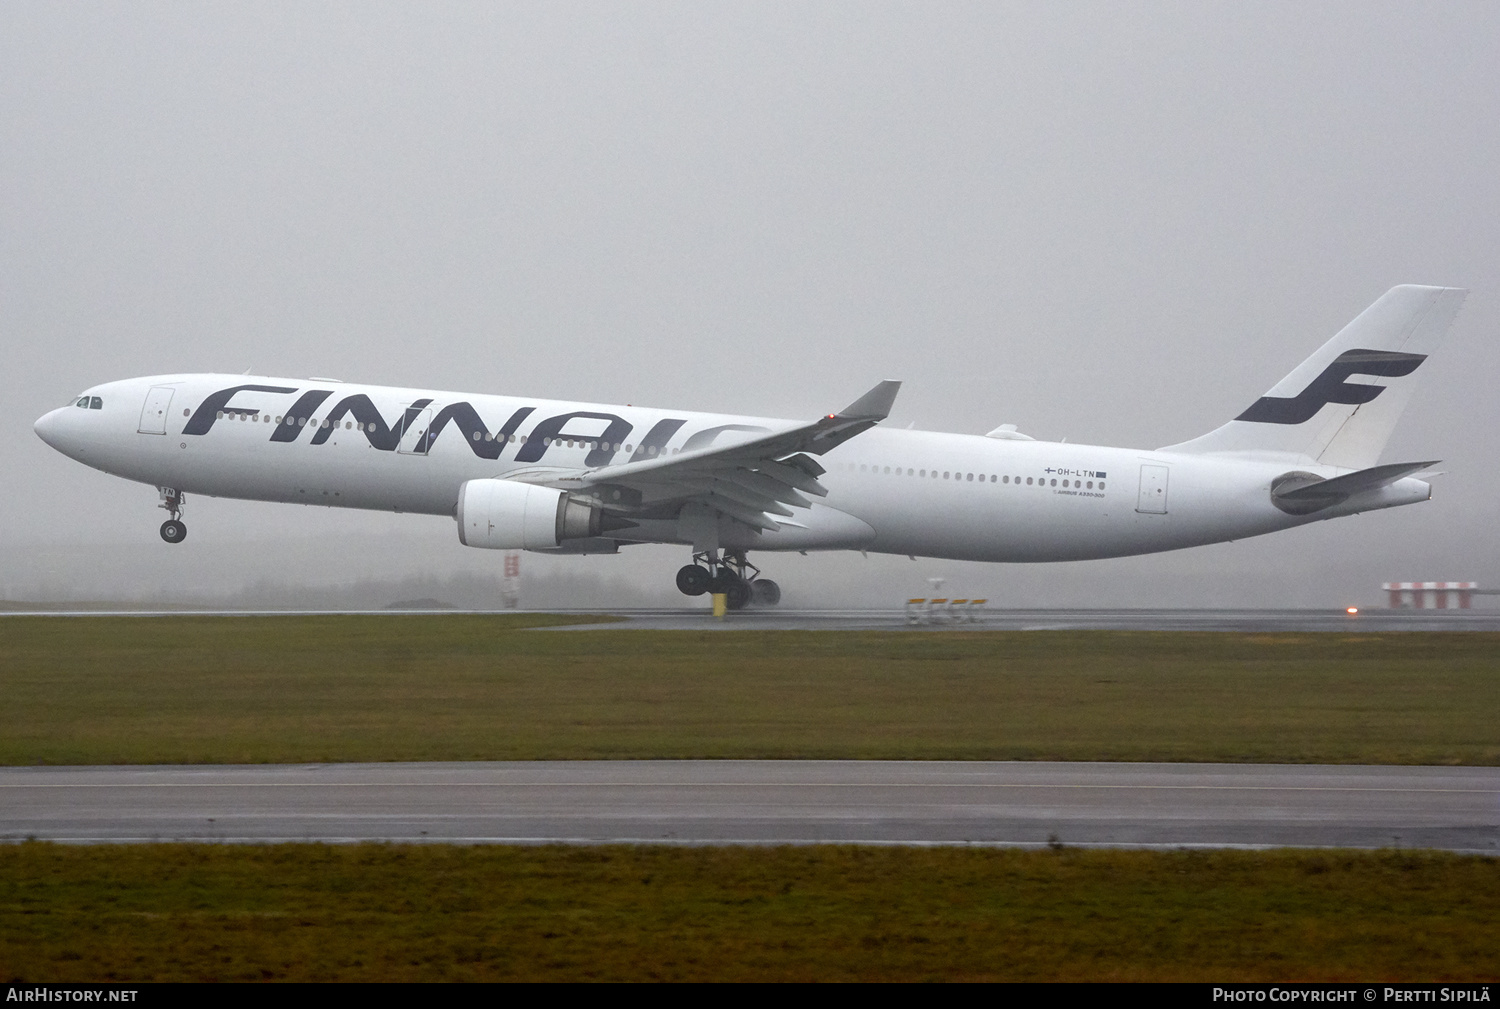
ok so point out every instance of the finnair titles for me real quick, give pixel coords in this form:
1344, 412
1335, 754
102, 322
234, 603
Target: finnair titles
582, 478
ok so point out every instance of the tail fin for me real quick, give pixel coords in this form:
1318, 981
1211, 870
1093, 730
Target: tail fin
1318, 413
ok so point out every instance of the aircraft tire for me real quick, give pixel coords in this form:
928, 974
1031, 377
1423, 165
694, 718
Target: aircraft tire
765, 592
693, 580
737, 592
173, 531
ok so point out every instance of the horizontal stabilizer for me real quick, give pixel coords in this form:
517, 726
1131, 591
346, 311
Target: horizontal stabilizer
1305, 493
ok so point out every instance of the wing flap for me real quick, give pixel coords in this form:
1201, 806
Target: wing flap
750, 516
792, 473
766, 487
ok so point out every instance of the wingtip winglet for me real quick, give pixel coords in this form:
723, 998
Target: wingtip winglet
873, 405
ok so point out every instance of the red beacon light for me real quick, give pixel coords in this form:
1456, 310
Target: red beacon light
1353, 611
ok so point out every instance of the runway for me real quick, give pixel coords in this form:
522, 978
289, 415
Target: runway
764, 802
1255, 621
696, 618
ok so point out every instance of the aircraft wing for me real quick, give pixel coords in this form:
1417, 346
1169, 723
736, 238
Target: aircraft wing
750, 480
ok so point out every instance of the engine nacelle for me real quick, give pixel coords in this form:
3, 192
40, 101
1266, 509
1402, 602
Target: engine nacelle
508, 515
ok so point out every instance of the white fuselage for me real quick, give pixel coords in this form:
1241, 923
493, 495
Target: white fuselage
891, 491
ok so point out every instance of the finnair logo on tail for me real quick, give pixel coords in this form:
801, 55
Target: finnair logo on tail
1331, 387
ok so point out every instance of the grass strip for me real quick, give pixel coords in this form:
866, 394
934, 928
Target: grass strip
392, 912
194, 689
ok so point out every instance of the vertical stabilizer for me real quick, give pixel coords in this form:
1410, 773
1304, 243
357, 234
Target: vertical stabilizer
1339, 406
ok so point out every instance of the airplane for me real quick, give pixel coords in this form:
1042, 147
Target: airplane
583, 478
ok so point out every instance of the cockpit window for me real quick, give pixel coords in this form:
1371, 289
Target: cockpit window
83, 401
95, 403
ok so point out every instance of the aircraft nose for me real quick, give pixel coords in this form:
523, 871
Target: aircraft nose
48, 427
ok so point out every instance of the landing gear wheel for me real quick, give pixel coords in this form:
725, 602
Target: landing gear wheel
737, 592
764, 592
730, 575
693, 580
172, 530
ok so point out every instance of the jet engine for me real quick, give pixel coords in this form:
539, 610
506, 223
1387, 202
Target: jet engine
508, 515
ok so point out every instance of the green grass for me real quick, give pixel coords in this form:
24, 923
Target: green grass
187, 689
373, 912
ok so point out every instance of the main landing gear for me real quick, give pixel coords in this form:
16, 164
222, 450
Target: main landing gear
730, 574
172, 530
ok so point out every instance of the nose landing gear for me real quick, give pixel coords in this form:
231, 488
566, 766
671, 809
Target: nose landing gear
172, 530
730, 574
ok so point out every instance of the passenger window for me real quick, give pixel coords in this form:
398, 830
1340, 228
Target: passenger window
1005, 480
1028, 481
1054, 483
971, 478
1101, 484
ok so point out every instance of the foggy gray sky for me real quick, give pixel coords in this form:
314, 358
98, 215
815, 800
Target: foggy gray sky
1113, 223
